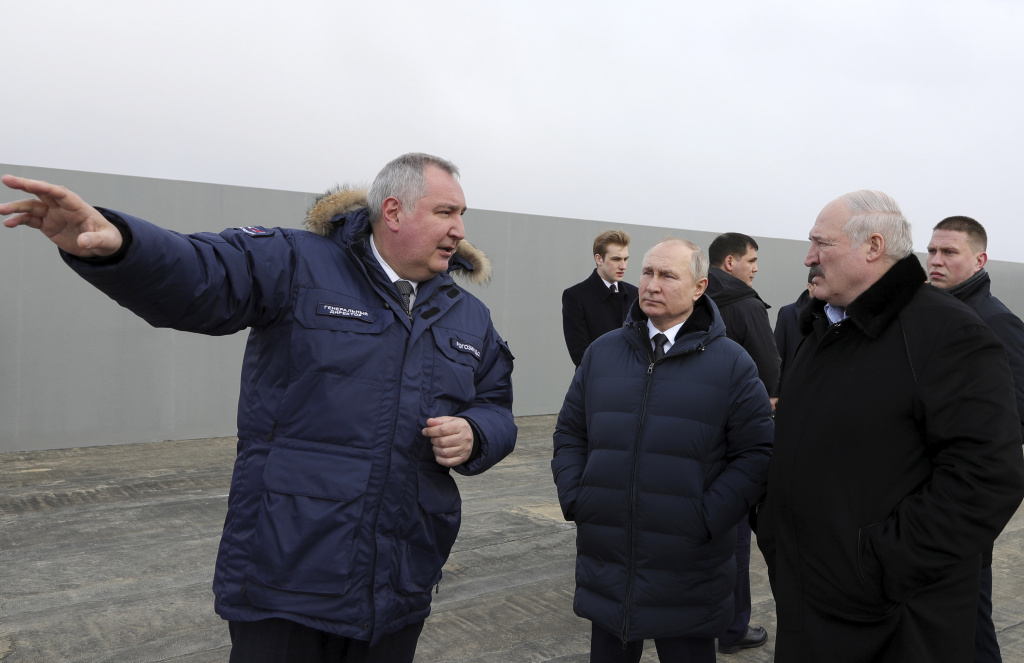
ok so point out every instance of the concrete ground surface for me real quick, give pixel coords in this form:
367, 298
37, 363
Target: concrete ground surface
107, 554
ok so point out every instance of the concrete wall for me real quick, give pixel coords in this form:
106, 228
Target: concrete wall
77, 370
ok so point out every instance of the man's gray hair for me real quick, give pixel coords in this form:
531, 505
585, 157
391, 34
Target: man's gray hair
403, 179
877, 212
698, 260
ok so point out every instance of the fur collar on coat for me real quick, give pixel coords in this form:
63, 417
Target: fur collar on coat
469, 262
879, 305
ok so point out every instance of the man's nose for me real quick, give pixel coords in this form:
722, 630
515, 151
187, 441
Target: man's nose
811, 258
458, 229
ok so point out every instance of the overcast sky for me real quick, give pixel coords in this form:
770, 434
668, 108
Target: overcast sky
744, 116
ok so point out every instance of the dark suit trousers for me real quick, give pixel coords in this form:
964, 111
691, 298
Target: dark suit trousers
283, 641
606, 647
741, 590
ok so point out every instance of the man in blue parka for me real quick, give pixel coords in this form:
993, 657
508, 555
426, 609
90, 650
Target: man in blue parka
660, 449
368, 375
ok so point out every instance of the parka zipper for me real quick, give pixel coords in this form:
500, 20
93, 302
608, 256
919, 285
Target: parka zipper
632, 477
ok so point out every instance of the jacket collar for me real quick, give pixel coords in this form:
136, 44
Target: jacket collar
979, 283
342, 210
703, 326
879, 305
597, 283
725, 288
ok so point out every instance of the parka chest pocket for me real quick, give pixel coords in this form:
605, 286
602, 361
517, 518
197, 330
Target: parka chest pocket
457, 358
333, 311
334, 333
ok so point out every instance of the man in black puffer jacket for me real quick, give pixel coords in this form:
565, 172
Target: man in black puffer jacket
660, 449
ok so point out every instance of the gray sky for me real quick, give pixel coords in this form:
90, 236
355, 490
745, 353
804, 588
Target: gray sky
744, 116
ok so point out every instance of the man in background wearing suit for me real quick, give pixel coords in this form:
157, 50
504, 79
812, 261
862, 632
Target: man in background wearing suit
598, 305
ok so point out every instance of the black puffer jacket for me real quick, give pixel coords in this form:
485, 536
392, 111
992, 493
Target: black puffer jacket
657, 462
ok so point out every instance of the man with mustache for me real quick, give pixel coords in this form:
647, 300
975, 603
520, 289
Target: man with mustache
897, 456
956, 263
599, 304
660, 449
368, 376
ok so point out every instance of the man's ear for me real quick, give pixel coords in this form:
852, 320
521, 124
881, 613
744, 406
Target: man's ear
875, 247
699, 289
389, 213
728, 263
980, 261
598, 260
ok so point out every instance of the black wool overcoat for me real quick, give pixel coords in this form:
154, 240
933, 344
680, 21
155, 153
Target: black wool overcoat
897, 461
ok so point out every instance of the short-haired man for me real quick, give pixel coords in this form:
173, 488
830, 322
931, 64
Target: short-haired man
660, 448
342, 508
956, 263
730, 284
897, 455
599, 304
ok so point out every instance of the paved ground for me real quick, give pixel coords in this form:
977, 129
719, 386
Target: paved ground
106, 554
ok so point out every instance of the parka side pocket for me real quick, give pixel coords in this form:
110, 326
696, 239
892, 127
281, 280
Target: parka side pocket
305, 532
428, 547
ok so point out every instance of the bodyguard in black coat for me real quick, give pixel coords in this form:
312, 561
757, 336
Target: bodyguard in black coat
746, 322
733, 259
590, 309
897, 455
956, 263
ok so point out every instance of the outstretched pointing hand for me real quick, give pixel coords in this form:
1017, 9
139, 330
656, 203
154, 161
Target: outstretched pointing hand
62, 216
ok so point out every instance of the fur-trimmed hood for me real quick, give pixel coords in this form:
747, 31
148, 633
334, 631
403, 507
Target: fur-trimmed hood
328, 210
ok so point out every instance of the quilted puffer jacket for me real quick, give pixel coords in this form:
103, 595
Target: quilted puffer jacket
657, 461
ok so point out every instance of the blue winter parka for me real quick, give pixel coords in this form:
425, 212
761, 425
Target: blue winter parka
339, 516
657, 462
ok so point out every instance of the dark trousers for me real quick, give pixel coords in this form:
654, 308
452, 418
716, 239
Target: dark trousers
986, 647
283, 641
741, 590
606, 647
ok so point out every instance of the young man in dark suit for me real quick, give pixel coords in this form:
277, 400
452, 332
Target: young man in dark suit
598, 305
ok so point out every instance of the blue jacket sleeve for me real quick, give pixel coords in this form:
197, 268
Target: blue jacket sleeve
491, 413
207, 283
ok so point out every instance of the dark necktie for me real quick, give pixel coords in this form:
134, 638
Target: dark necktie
659, 346
613, 288
405, 289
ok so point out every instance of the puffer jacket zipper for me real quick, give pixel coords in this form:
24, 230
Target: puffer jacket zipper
632, 476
